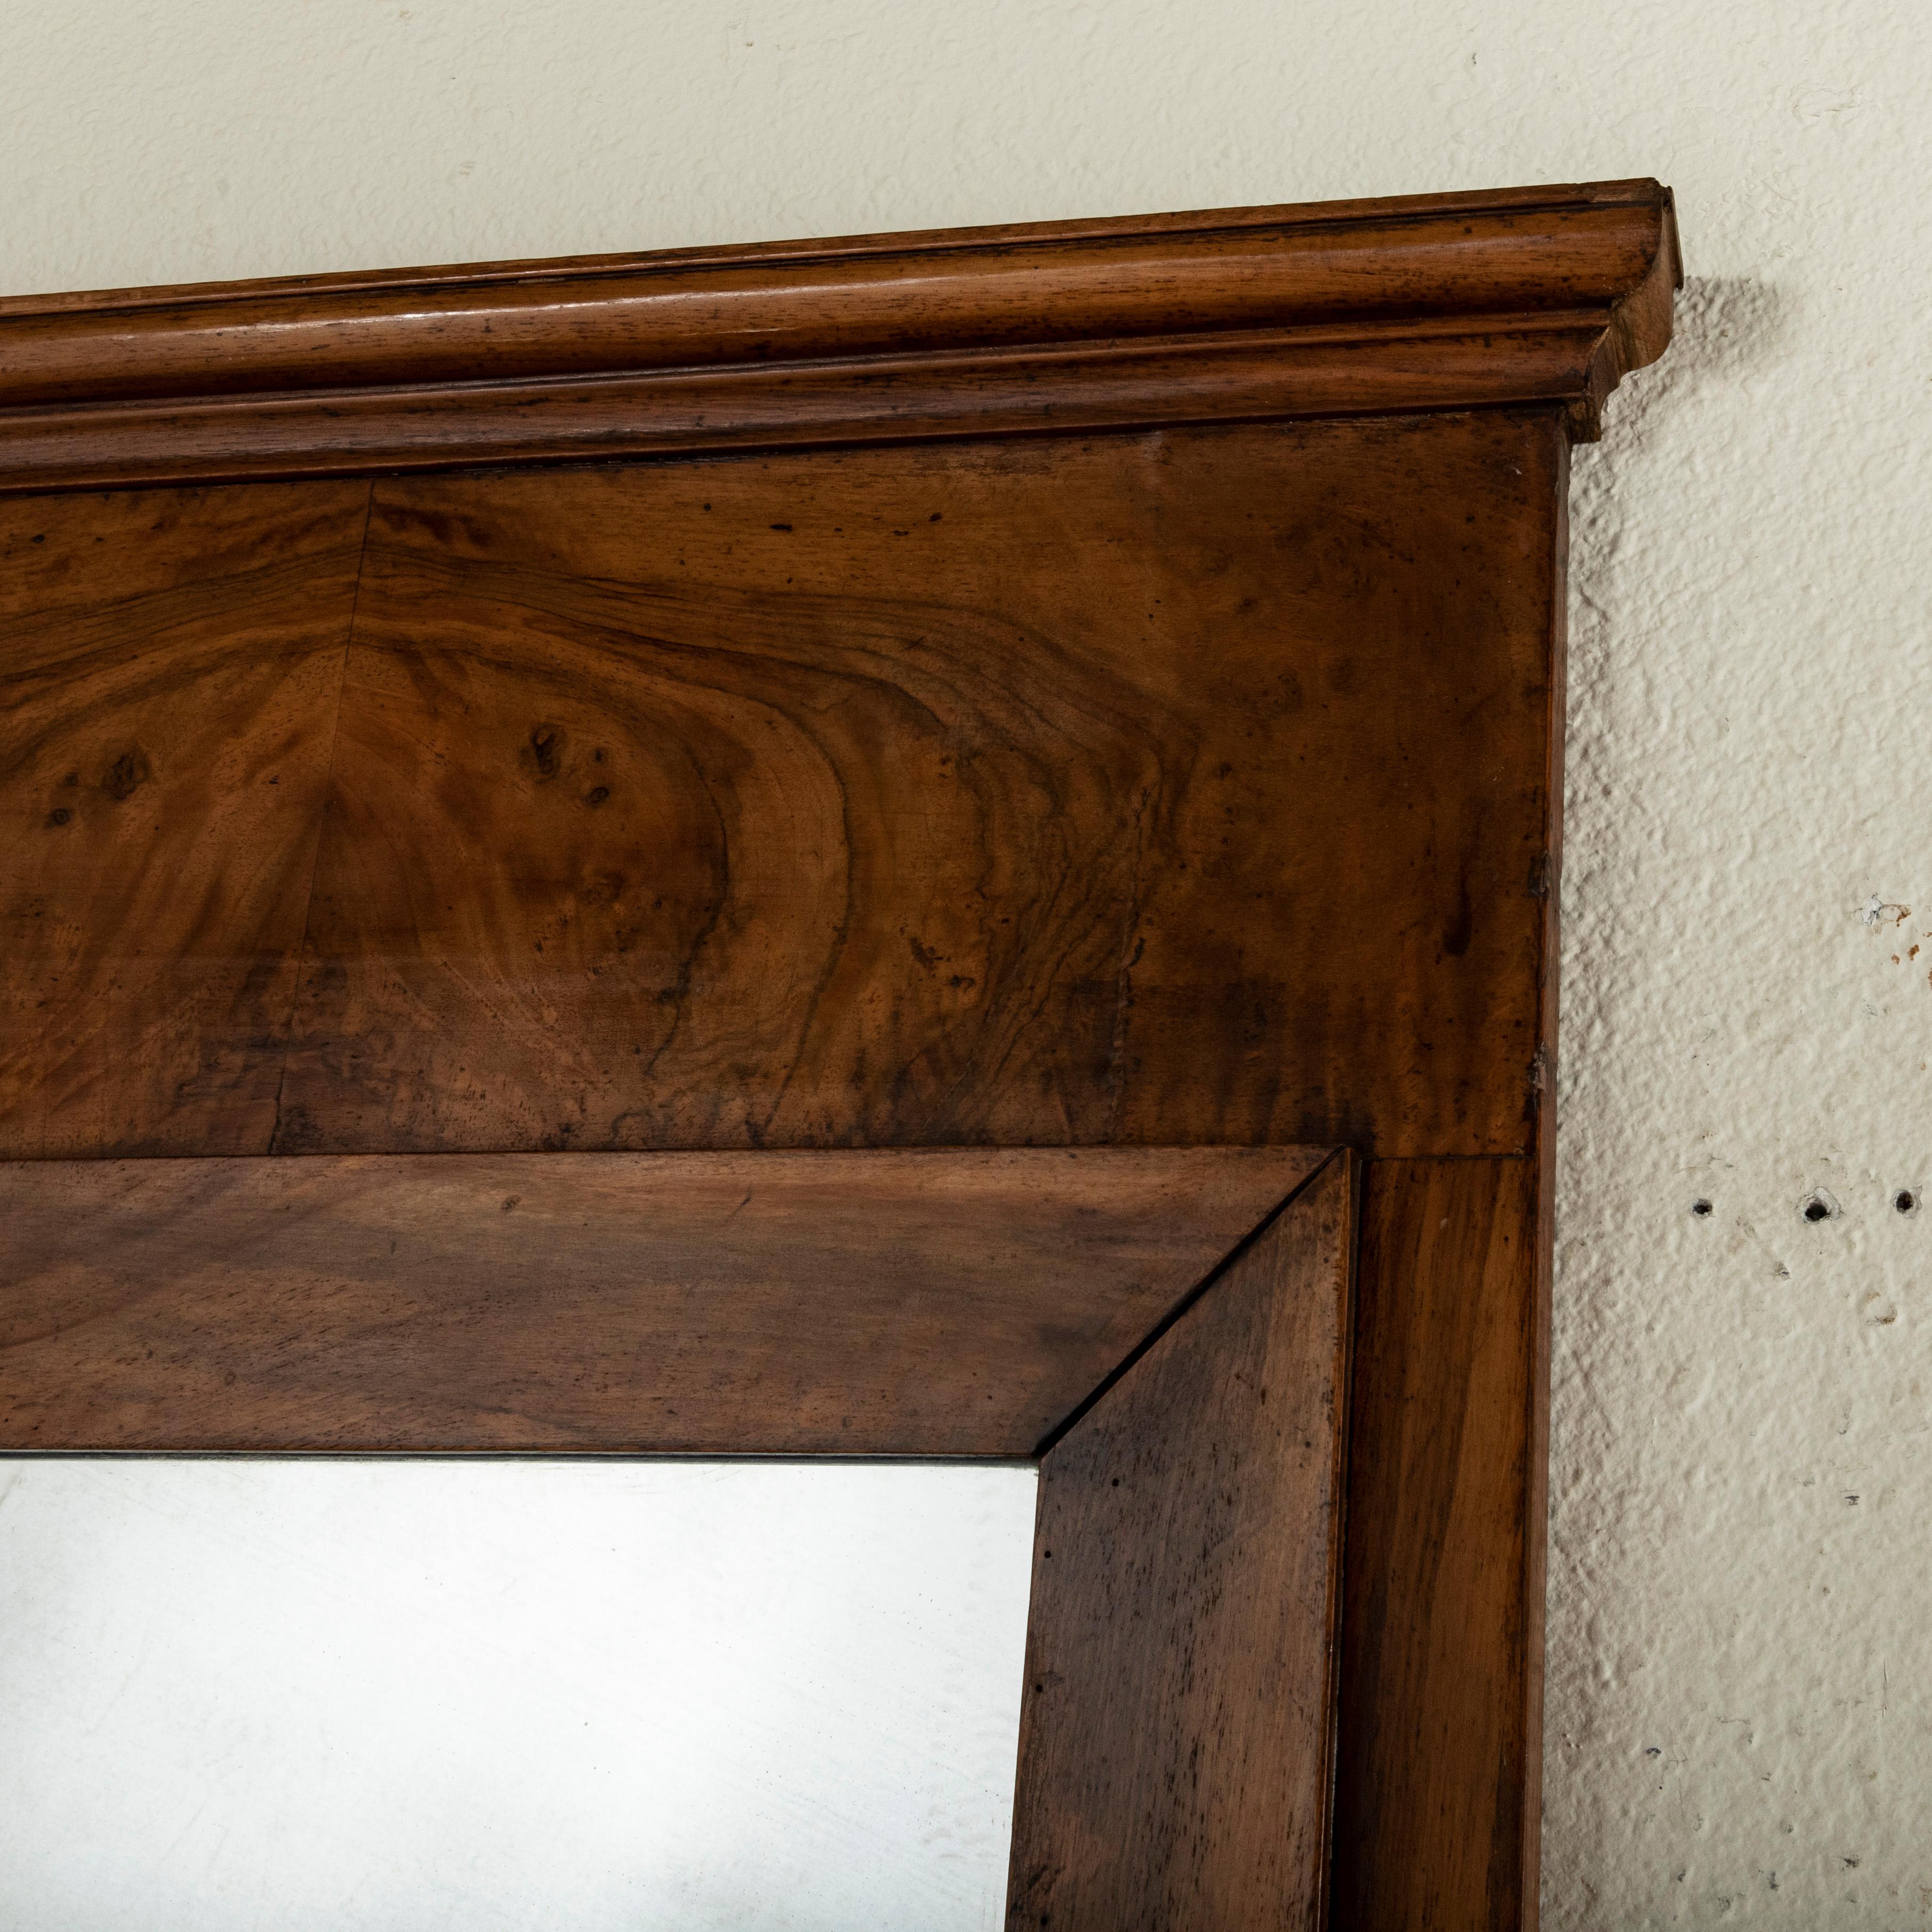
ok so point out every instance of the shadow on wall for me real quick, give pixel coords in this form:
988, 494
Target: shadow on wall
1728, 333
1724, 330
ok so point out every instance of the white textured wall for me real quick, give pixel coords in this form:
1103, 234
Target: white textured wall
1741, 1647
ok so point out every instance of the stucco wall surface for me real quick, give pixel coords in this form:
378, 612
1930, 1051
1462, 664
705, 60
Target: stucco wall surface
1740, 1708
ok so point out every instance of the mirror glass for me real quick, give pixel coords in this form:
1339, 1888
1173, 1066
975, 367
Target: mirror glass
412, 1696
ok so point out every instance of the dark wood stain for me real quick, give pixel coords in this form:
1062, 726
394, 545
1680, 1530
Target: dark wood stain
1130, 802
875, 1303
172, 662
1095, 686
1440, 1717
1540, 296
1177, 1714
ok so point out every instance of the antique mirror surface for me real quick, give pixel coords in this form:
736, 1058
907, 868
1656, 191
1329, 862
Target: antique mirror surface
346, 1694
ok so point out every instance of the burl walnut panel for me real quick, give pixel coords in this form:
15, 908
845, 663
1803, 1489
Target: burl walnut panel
171, 662
1041, 793
1185, 786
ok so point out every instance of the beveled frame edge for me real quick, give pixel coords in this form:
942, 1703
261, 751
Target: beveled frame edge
171, 1270
1211, 1594
1524, 296
1352, 1166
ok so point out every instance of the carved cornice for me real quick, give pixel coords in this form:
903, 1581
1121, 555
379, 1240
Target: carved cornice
1526, 296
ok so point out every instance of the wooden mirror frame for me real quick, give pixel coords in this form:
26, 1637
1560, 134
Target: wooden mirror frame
1088, 697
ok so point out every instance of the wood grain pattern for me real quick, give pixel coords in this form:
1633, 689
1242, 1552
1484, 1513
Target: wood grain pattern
1177, 1720
1190, 788
1440, 1715
172, 663
900, 767
1526, 295
878, 1302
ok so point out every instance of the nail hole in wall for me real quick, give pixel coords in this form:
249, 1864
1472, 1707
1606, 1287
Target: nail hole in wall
1905, 1200
1818, 1207
1700, 1207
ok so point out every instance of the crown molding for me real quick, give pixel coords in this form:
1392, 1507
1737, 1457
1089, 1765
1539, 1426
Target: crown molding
1524, 297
